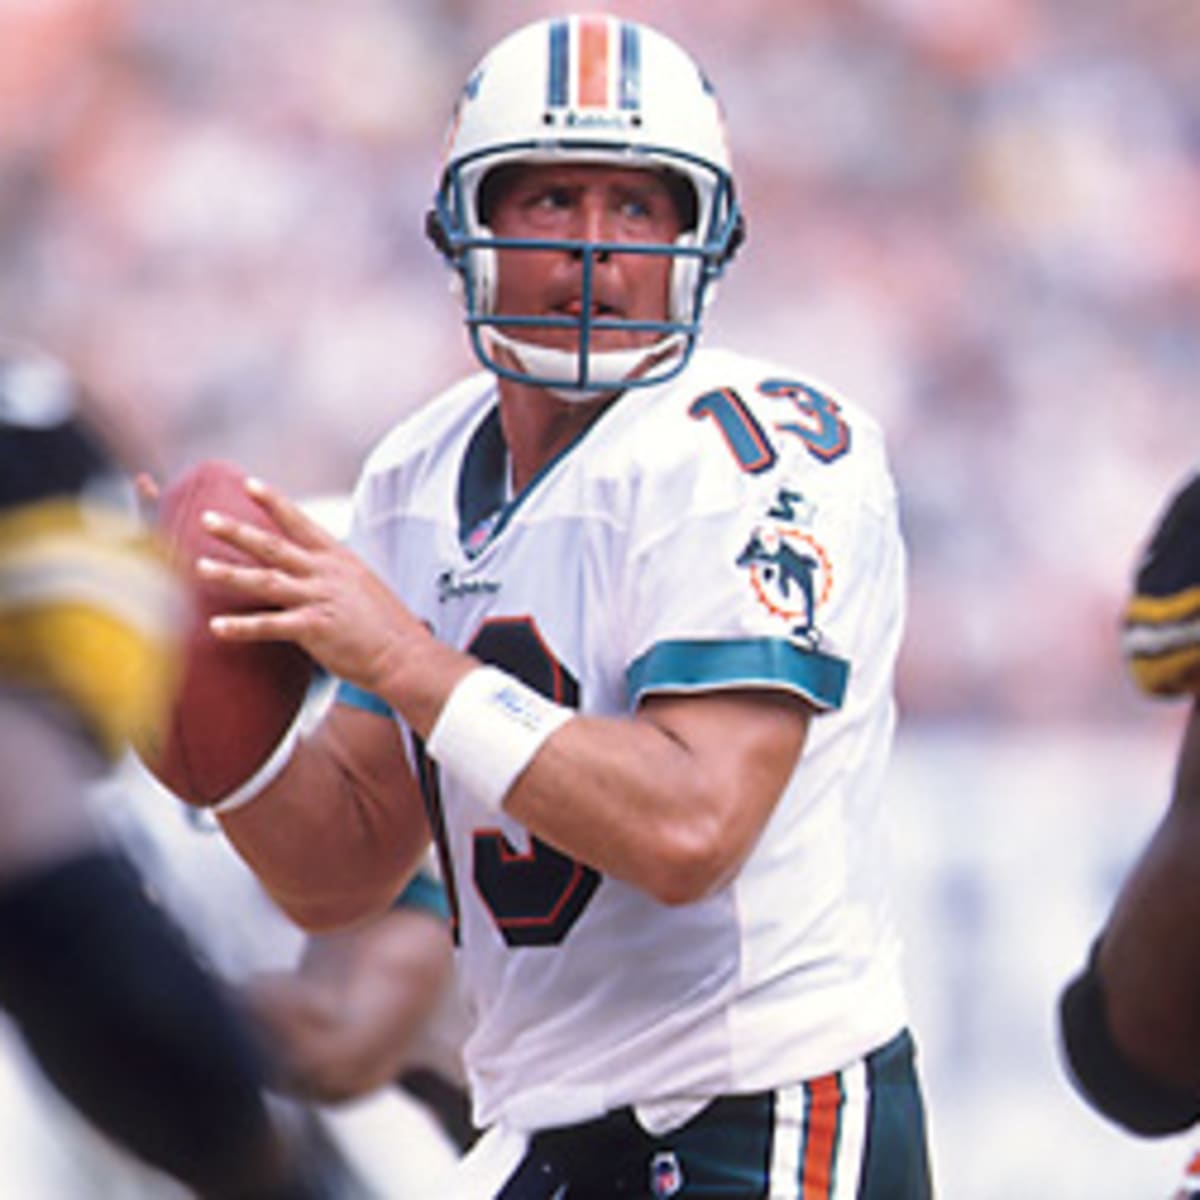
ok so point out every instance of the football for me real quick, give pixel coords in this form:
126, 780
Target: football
234, 701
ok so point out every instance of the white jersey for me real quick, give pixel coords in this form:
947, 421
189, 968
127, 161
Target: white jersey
731, 528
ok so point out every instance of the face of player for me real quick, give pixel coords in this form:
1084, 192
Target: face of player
584, 203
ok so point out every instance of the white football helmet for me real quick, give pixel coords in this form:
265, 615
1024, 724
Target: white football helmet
587, 89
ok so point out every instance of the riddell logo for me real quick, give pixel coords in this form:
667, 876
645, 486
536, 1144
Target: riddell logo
597, 120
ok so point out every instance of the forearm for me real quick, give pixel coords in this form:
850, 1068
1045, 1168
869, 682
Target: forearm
1147, 960
1149, 956
1106, 1073
343, 1024
304, 1022
670, 799
623, 796
328, 849
1186, 792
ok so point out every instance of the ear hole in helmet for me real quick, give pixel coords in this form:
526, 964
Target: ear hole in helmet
683, 195
435, 231
491, 188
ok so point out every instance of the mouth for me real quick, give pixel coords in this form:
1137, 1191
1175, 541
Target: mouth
575, 308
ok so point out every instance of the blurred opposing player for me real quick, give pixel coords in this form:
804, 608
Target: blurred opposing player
1130, 1020
617, 627
104, 991
370, 1007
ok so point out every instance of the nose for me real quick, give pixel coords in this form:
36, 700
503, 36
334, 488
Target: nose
592, 224
600, 256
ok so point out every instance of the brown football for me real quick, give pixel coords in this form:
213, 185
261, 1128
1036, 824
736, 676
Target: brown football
235, 700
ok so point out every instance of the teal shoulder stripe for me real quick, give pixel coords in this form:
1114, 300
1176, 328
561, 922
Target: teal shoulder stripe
348, 693
426, 893
751, 662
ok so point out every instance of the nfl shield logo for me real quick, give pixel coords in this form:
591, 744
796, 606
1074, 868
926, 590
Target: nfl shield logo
666, 1175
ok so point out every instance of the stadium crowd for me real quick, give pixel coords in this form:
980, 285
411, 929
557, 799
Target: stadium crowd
982, 221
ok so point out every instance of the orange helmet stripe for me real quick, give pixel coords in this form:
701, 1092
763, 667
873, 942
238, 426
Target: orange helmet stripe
592, 58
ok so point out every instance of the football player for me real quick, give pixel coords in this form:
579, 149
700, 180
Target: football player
103, 988
1130, 1020
617, 629
372, 1006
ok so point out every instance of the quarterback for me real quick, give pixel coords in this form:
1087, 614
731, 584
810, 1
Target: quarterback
616, 629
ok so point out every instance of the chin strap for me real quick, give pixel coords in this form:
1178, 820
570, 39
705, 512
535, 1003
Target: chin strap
608, 370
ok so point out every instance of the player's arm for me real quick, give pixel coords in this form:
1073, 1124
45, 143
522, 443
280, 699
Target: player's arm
670, 800
1149, 956
334, 836
1131, 1019
343, 1023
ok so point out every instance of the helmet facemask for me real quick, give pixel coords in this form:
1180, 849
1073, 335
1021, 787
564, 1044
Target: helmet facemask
458, 221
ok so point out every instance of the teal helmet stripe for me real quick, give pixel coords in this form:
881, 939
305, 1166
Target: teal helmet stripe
558, 75
630, 92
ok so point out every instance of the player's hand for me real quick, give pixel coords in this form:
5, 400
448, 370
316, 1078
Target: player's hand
312, 590
1160, 634
148, 491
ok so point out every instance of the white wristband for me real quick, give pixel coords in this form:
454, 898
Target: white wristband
489, 728
263, 777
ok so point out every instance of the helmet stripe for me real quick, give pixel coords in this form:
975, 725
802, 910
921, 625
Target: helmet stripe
592, 62
631, 66
582, 70
556, 80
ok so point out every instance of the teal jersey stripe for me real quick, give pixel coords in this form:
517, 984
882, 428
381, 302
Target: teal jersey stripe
751, 662
348, 693
425, 893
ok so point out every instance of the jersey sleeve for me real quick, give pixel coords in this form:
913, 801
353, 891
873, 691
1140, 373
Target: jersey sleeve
1160, 626
751, 575
424, 893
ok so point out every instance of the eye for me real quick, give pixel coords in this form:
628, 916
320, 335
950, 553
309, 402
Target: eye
551, 199
636, 208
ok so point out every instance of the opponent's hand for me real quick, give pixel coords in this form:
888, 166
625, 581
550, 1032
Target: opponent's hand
1160, 631
148, 493
313, 591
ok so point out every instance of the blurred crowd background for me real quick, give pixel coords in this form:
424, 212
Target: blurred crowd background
980, 220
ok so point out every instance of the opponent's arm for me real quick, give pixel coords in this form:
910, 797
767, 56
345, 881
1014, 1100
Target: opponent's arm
344, 1021
1149, 955
670, 800
1131, 1019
